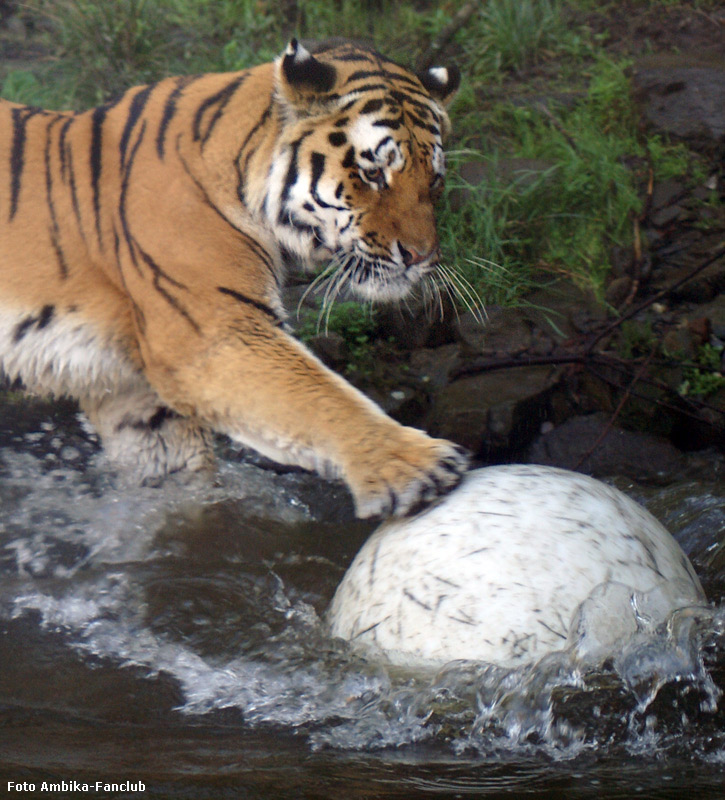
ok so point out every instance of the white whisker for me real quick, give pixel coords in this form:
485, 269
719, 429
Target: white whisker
330, 297
463, 290
316, 284
437, 295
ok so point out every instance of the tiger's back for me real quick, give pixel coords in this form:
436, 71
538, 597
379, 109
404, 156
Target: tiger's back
142, 251
72, 205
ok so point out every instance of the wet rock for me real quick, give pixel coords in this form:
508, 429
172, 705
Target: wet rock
590, 444
494, 412
704, 431
331, 348
416, 324
683, 94
618, 291
406, 403
564, 311
435, 366
681, 342
714, 312
667, 206
505, 330
676, 261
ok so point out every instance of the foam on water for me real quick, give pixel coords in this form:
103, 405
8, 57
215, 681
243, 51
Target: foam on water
80, 551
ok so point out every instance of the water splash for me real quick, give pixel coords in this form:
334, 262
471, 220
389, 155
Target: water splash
138, 577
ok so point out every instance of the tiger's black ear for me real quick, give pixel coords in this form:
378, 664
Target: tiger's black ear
441, 82
304, 72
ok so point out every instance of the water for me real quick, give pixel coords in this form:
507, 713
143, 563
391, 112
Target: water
173, 636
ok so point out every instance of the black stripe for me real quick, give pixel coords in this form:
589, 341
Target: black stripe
74, 192
22, 328
395, 77
292, 173
117, 253
95, 160
220, 99
41, 321
46, 315
248, 152
424, 125
349, 160
318, 168
352, 55
253, 244
157, 419
393, 124
383, 142
372, 106
357, 95
337, 138
243, 298
122, 200
160, 275
137, 313
291, 221
134, 112
17, 153
62, 149
54, 230
154, 422
404, 97
170, 111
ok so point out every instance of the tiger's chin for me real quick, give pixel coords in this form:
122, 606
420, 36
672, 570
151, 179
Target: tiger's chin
372, 280
387, 286
381, 291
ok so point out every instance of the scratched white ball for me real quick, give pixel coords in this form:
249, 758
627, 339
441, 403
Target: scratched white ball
499, 569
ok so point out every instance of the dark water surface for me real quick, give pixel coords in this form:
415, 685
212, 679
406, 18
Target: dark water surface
173, 636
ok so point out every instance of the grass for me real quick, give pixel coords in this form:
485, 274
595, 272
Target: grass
502, 234
355, 323
706, 377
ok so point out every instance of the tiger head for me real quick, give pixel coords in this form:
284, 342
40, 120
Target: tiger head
358, 165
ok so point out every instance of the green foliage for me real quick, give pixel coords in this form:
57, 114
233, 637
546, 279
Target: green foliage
108, 46
636, 339
516, 33
705, 378
354, 322
23, 86
484, 236
563, 217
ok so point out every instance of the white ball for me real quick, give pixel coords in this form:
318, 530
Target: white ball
498, 571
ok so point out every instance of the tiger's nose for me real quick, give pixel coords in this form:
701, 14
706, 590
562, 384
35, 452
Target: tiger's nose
411, 256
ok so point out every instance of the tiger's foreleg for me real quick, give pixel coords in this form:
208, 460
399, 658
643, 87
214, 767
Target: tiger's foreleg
264, 389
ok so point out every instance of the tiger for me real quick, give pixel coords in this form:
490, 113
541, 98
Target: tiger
144, 245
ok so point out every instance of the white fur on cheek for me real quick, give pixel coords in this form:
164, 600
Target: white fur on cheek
439, 160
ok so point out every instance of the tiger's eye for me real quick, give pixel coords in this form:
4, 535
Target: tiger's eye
374, 175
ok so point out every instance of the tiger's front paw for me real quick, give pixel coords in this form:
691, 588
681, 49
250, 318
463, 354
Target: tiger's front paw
410, 473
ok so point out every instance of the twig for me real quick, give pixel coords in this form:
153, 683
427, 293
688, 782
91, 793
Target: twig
617, 411
718, 254
687, 407
477, 366
557, 124
460, 18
